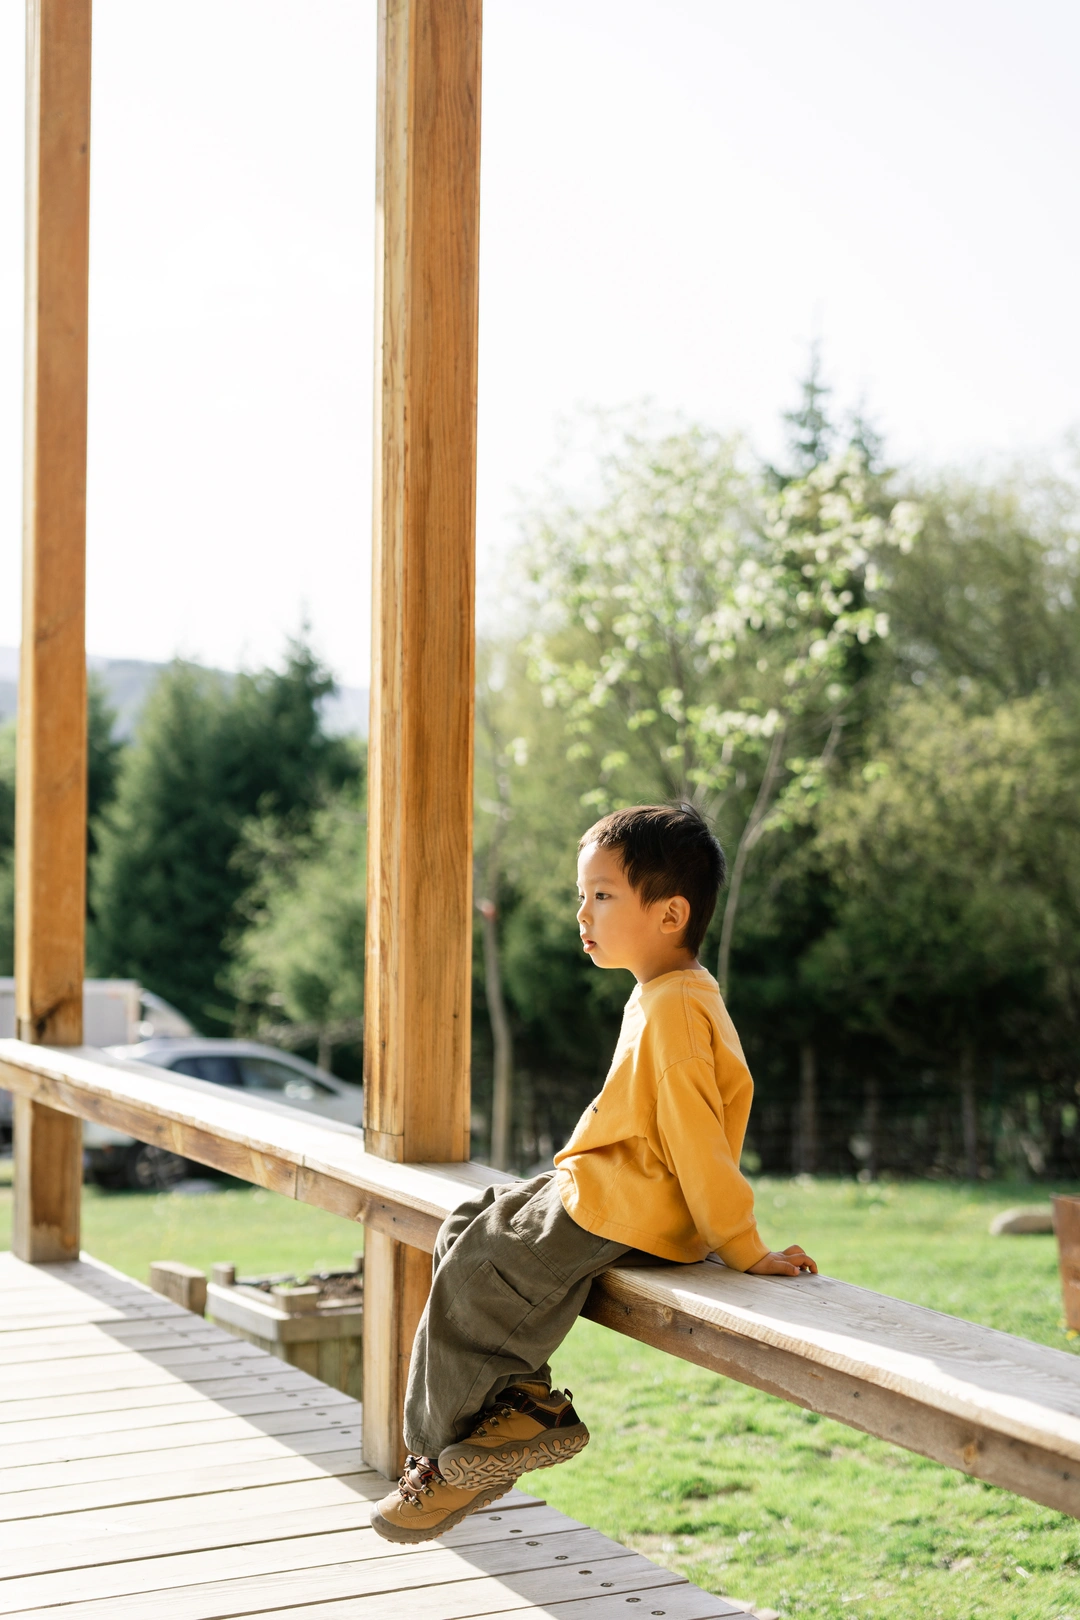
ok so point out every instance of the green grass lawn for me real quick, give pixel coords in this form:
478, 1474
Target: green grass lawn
741, 1492
257, 1230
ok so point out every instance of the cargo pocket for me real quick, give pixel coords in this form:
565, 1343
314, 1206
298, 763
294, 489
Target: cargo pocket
487, 1311
563, 1248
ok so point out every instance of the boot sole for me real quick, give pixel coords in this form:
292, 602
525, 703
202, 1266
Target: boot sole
390, 1531
468, 1467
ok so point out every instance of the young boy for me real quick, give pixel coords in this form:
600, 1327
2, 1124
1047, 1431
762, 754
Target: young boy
652, 1165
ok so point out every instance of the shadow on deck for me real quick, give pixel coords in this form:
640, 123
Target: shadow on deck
150, 1463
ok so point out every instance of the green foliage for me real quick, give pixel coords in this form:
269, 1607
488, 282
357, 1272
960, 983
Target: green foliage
297, 962
988, 599
811, 433
104, 751
874, 691
706, 636
210, 753
258, 1231
955, 856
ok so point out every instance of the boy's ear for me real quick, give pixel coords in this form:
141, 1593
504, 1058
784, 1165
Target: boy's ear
675, 915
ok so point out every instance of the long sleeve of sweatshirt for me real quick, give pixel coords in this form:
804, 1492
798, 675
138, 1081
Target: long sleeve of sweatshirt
654, 1160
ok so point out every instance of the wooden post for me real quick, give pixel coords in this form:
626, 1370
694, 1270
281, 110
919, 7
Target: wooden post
50, 835
420, 810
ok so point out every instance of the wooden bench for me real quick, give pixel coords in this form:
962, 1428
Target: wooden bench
996, 1407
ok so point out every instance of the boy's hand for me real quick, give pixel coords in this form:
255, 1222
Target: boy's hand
789, 1264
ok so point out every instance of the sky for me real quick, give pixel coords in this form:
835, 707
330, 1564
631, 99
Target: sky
678, 196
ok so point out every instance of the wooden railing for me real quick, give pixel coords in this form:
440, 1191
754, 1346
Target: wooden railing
997, 1407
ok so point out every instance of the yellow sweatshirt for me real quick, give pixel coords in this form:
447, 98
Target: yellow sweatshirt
654, 1160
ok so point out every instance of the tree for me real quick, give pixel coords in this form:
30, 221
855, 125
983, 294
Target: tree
991, 595
811, 433
297, 958
210, 753
705, 638
955, 854
496, 757
104, 751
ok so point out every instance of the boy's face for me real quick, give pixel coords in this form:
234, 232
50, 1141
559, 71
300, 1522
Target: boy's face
616, 929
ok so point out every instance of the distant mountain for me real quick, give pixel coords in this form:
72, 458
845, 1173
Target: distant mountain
128, 681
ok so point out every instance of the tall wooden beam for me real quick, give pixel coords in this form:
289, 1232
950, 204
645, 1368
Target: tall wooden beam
50, 838
420, 809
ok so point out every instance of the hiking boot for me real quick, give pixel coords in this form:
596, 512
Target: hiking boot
528, 1426
424, 1506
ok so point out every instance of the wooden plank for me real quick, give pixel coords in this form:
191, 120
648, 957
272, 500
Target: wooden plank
226, 1393
286, 1469
48, 1182
60, 1340
316, 1161
184, 1285
72, 1305
431, 1570
397, 1278
165, 1369
138, 1418
469, 1601
175, 1437
420, 777
227, 1530
991, 1405
321, 1440
174, 1354
260, 1561
225, 1510
50, 844
419, 938
165, 1540
50, 811
151, 1382
678, 1603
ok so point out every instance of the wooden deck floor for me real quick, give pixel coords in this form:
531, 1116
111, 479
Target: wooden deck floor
151, 1464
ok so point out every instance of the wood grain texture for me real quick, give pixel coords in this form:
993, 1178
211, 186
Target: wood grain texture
184, 1285
417, 1005
48, 1182
315, 1161
468, 1601
991, 1405
397, 1278
1067, 1228
219, 1510
50, 835
291, 1557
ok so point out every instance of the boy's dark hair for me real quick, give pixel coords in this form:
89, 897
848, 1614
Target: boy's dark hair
666, 849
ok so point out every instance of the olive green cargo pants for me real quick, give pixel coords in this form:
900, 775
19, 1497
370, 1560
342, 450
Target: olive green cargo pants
511, 1273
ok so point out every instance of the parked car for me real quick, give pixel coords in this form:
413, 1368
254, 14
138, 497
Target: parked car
115, 1160
113, 1010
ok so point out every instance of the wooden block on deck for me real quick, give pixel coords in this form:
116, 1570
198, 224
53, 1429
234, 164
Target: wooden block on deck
184, 1285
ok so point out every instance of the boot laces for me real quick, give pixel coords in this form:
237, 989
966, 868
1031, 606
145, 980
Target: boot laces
415, 1481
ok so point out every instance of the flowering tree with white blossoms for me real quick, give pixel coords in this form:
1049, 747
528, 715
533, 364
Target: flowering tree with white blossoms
705, 634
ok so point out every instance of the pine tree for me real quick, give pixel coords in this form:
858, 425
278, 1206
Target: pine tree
811, 434
210, 752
